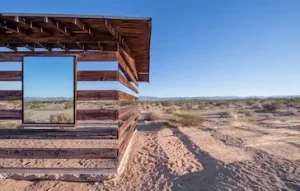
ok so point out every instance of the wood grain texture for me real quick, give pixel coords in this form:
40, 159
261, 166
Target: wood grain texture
103, 133
97, 114
10, 114
123, 145
122, 96
97, 75
128, 59
126, 83
86, 95
10, 76
97, 95
126, 124
10, 95
123, 111
124, 66
55, 153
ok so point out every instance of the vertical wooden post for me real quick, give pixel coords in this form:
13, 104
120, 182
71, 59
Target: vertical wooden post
75, 88
23, 96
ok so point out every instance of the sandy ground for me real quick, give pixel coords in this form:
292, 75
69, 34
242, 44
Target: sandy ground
223, 154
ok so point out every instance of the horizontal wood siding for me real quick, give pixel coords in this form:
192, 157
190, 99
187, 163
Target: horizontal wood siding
97, 75
10, 76
103, 133
10, 114
97, 114
126, 83
55, 153
128, 59
126, 97
126, 70
123, 111
10, 95
125, 125
97, 95
125, 142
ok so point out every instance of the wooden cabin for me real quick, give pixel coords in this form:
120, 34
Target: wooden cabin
123, 40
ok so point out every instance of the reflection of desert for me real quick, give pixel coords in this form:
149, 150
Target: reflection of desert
194, 145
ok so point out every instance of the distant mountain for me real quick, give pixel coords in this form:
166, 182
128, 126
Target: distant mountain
150, 98
48, 98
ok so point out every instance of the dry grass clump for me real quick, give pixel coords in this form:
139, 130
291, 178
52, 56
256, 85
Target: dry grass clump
69, 105
172, 109
153, 115
186, 119
257, 105
61, 118
273, 107
292, 111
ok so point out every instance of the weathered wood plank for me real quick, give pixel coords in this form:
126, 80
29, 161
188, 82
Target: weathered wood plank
125, 142
10, 76
122, 96
103, 133
126, 70
126, 83
10, 95
125, 125
82, 56
97, 95
97, 114
97, 75
123, 111
128, 59
10, 114
56, 153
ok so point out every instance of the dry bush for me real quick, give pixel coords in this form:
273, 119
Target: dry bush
166, 103
186, 119
229, 114
153, 115
61, 118
273, 107
257, 105
172, 109
69, 105
292, 111
249, 113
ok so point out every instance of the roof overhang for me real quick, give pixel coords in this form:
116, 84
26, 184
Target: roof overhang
79, 32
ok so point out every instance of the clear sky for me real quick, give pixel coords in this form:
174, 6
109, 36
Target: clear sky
206, 48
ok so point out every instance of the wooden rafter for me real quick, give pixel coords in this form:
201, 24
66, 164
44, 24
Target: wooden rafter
9, 27
58, 26
12, 47
30, 24
117, 35
30, 47
82, 26
63, 46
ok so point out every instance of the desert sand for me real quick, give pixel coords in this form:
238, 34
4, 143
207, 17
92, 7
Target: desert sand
230, 150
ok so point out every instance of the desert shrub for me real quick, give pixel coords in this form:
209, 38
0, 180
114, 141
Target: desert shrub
187, 119
229, 114
153, 115
34, 104
166, 103
292, 111
61, 118
68, 105
171, 110
249, 113
272, 107
257, 105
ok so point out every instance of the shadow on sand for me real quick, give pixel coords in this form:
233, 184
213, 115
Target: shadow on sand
234, 176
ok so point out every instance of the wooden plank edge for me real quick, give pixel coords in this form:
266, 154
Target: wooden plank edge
55, 153
10, 95
124, 126
125, 142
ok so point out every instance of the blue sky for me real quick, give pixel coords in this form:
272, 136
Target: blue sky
206, 48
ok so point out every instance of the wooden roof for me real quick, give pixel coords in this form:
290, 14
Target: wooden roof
79, 32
